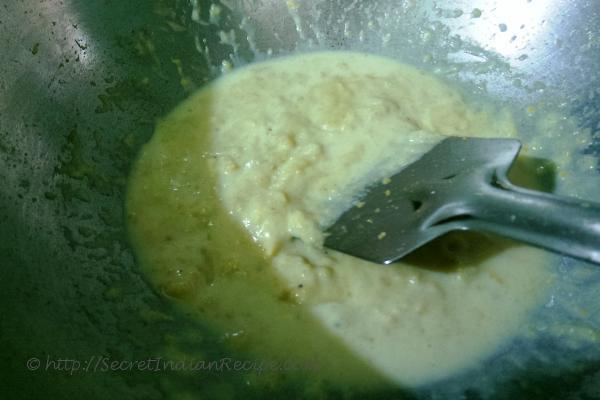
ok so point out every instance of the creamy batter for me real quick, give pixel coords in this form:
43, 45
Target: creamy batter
228, 201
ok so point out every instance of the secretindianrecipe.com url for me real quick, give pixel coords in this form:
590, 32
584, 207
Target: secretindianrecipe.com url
94, 364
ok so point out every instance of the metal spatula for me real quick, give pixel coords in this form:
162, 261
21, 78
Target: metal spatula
462, 184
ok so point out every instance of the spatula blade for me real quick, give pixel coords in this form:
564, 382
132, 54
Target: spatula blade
423, 201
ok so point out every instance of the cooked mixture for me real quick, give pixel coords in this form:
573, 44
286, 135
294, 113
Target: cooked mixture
228, 202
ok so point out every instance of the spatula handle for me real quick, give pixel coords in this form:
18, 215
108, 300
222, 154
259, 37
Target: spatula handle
565, 225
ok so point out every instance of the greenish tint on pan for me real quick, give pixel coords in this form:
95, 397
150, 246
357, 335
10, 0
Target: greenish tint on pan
82, 84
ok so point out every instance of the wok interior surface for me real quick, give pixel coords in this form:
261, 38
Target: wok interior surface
82, 85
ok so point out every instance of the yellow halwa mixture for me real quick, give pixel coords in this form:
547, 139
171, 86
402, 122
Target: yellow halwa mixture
228, 202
